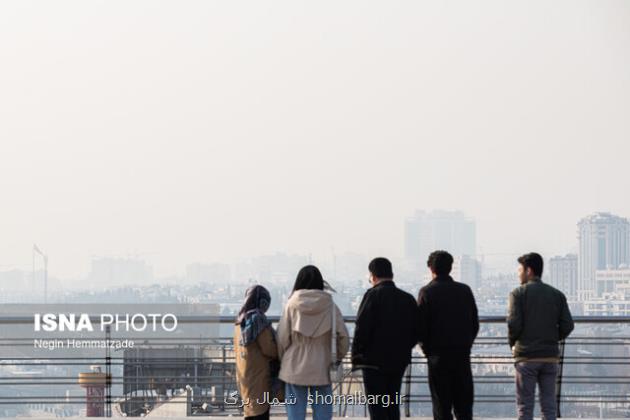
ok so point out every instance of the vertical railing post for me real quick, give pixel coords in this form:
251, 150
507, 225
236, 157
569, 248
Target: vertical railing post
223, 383
189, 399
559, 380
340, 392
108, 373
408, 390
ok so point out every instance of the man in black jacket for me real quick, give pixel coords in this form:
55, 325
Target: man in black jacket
538, 318
386, 331
448, 327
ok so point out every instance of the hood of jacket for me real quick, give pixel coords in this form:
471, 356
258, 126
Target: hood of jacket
311, 312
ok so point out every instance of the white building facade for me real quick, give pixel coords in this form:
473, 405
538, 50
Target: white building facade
604, 243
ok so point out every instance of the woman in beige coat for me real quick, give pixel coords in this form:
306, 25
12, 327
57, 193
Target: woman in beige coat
304, 345
255, 348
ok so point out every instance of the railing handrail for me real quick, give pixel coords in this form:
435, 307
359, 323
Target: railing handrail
493, 382
223, 319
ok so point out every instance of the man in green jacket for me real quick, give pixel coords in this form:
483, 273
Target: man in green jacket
538, 318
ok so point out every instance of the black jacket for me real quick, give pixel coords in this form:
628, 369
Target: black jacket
538, 317
386, 328
448, 317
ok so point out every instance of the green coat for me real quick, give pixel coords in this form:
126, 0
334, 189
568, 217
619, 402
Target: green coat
538, 318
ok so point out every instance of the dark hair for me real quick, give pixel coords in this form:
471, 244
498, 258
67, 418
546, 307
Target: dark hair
309, 277
381, 268
440, 262
533, 261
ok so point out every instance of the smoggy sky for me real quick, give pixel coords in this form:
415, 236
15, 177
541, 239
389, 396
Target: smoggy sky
210, 131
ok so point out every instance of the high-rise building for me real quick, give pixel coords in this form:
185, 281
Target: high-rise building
467, 269
563, 274
439, 229
604, 243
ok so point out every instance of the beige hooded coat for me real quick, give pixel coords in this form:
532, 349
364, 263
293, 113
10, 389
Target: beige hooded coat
304, 338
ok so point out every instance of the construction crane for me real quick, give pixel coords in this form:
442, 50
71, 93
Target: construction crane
36, 250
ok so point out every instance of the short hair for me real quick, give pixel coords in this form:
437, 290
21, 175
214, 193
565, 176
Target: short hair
533, 261
381, 268
309, 277
440, 262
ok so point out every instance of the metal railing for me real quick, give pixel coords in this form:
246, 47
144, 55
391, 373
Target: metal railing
595, 379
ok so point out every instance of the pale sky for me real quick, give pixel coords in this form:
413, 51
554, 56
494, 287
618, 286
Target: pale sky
215, 130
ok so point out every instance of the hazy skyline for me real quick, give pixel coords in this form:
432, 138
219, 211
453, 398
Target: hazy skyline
213, 131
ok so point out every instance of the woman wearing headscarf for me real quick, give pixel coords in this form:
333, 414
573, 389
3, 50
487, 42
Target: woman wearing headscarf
255, 349
305, 332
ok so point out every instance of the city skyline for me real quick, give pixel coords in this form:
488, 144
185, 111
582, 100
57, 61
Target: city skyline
439, 229
602, 241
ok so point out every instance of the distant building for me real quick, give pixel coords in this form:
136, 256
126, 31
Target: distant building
609, 305
604, 243
208, 273
440, 229
467, 270
612, 281
18, 280
275, 269
563, 274
117, 272
351, 268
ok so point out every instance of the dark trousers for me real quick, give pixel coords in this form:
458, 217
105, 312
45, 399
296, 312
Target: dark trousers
384, 389
263, 416
451, 385
528, 374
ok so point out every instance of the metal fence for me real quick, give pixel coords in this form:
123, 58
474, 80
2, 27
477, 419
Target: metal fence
196, 371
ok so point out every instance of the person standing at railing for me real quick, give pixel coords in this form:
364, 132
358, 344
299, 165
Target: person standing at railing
305, 332
385, 333
255, 350
538, 318
449, 324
